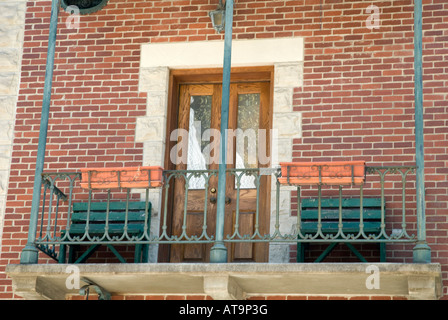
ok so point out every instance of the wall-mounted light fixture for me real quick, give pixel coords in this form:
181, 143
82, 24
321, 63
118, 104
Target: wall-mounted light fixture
85, 6
218, 17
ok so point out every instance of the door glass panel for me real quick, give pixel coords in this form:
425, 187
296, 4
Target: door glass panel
247, 136
198, 142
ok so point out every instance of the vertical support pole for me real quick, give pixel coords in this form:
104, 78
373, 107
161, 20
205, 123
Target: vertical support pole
218, 253
421, 252
29, 254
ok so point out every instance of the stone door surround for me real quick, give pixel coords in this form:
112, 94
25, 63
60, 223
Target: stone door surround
285, 54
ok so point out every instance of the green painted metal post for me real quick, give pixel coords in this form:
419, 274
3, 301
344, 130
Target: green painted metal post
421, 252
30, 253
218, 253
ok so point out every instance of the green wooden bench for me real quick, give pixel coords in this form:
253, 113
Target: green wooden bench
116, 222
350, 220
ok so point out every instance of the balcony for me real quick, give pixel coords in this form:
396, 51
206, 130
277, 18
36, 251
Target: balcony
266, 228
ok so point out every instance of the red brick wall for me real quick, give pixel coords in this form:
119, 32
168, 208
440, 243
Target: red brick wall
357, 97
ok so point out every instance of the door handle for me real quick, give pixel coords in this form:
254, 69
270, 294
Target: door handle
213, 200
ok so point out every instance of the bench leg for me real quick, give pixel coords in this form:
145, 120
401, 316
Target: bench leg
138, 253
71, 253
62, 252
145, 253
326, 252
382, 252
115, 252
88, 253
300, 252
356, 252
141, 254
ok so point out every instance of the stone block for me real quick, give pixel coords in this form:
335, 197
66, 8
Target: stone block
7, 107
288, 124
154, 79
155, 197
150, 129
286, 225
11, 36
6, 131
153, 153
281, 151
9, 59
288, 75
424, 287
9, 83
4, 174
13, 12
2, 214
283, 99
278, 253
157, 103
5, 157
222, 287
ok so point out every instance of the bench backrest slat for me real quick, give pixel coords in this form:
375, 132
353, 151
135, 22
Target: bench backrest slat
117, 212
346, 202
347, 214
350, 214
101, 206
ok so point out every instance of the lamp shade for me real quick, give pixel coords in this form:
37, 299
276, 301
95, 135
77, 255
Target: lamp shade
84, 6
218, 18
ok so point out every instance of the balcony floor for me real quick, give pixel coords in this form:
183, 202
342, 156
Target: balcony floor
232, 281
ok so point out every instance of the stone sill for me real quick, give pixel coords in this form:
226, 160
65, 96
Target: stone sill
232, 281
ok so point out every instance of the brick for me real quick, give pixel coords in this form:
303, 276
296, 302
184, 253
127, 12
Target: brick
154, 297
279, 297
175, 297
337, 298
317, 298
381, 298
134, 297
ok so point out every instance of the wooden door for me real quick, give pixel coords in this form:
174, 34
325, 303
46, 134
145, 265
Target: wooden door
199, 118
249, 118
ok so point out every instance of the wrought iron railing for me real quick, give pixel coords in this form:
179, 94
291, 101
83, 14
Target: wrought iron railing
394, 185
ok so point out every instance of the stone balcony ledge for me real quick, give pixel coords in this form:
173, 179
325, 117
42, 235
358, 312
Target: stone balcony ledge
234, 280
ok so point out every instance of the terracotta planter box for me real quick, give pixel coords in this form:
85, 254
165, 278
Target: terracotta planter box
331, 173
128, 177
